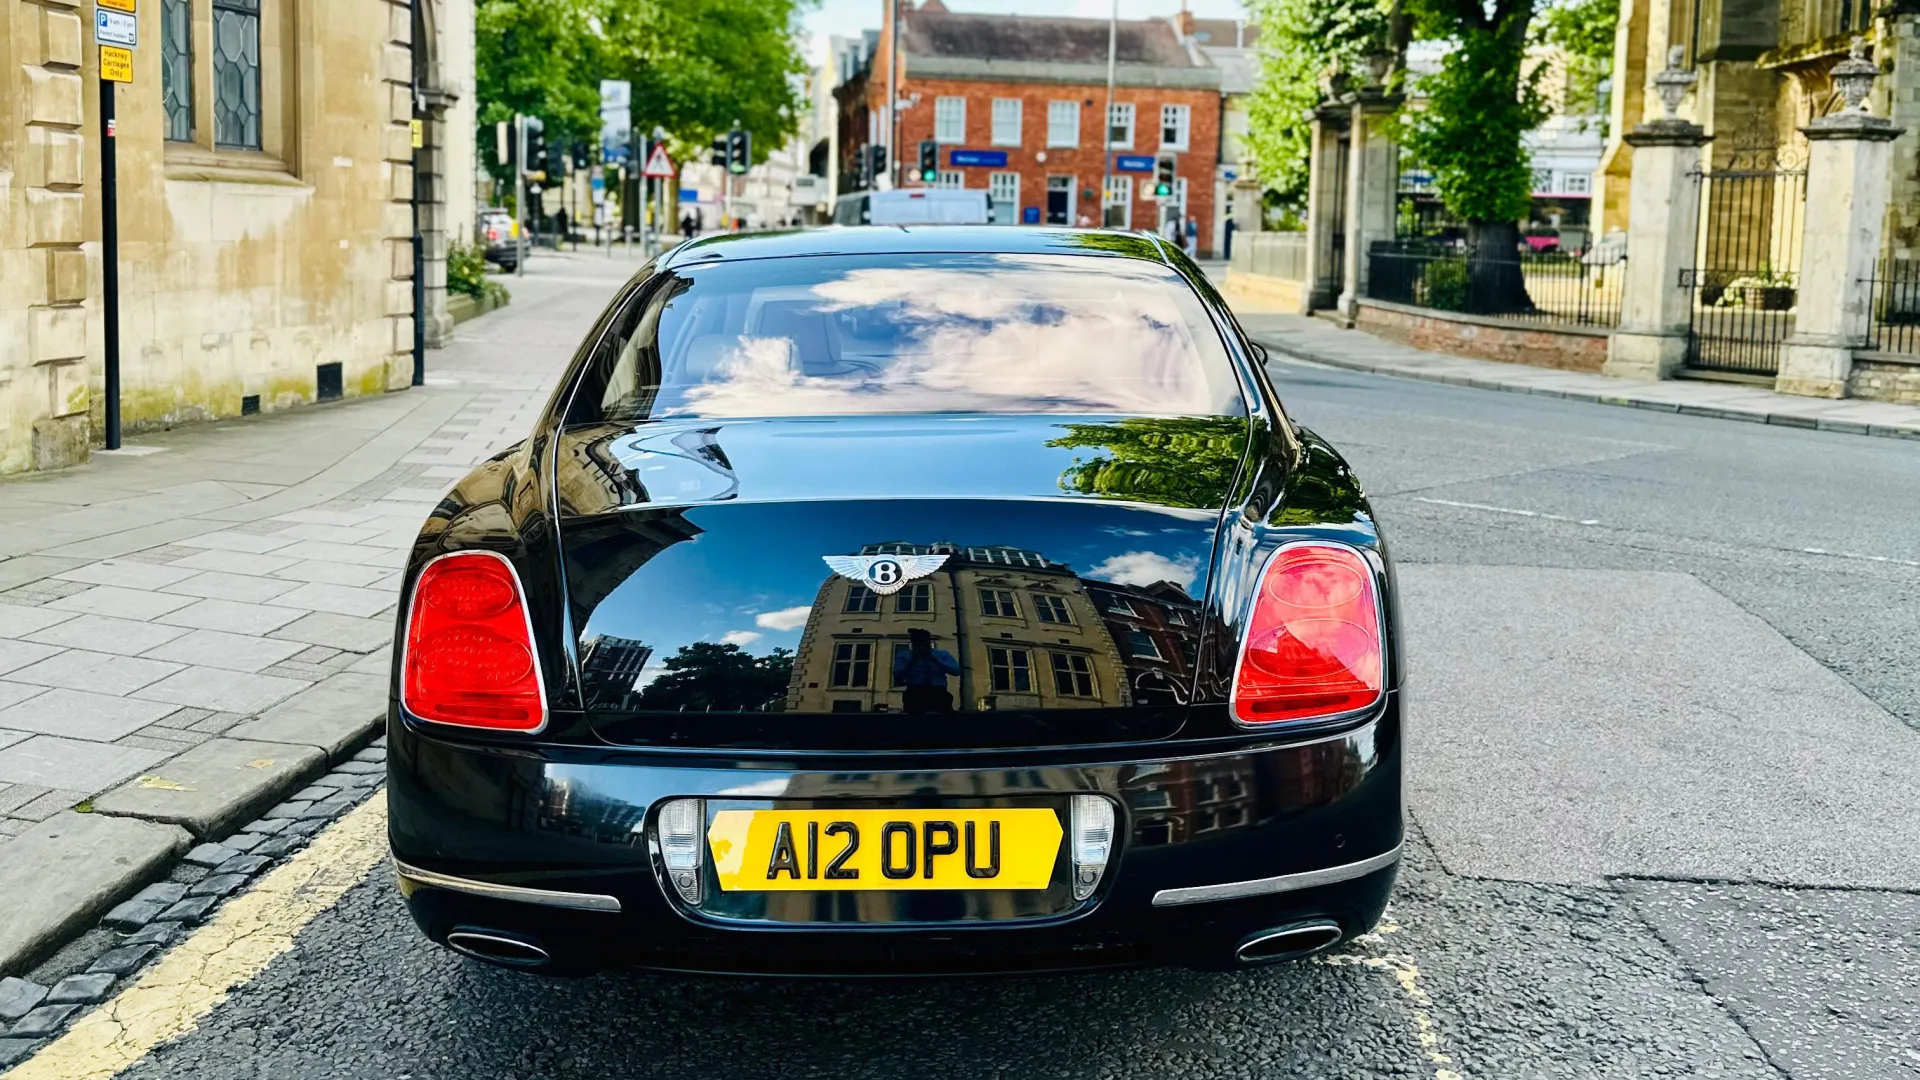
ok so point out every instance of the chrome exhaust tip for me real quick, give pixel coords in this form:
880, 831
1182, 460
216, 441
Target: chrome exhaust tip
497, 948
1289, 942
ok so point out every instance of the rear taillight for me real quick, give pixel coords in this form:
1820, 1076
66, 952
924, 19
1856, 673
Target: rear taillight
469, 653
1313, 646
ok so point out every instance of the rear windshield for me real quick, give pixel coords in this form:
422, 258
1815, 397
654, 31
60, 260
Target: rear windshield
837, 335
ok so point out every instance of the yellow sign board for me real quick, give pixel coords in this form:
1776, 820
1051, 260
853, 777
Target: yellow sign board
819, 850
419, 133
116, 64
117, 5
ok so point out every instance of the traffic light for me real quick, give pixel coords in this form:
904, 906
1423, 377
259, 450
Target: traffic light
1163, 168
536, 162
581, 160
739, 151
877, 168
929, 161
719, 151
863, 168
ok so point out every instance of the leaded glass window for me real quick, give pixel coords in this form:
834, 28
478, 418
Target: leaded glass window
176, 67
236, 74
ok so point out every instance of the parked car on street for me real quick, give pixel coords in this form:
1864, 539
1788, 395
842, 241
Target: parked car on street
501, 235
906, 600
914, 206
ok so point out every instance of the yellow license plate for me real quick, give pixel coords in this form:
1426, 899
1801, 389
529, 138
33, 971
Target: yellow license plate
819, 850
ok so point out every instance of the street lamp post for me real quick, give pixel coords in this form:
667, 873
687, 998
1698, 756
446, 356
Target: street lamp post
1106, 121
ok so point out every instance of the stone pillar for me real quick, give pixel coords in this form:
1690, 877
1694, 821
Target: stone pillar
54, 106
1325, 191
1373, 184
396, 68
1663, 228
1848, 167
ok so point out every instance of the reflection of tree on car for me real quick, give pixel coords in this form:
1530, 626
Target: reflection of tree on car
704, 677
1179, 460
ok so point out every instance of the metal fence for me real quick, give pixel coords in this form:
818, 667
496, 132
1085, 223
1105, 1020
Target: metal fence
1534, 286
1893, 307
1270, 254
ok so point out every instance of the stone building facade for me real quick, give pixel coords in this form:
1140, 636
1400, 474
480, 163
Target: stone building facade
266, 172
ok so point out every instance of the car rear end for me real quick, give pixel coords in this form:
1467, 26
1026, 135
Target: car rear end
668, 691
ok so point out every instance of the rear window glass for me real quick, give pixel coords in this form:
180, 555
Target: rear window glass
837, 335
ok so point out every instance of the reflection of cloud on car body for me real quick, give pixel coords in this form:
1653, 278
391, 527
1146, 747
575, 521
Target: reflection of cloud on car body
792, 618
1147, 568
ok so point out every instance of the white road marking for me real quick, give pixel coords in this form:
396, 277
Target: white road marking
1507, 510
1407, 975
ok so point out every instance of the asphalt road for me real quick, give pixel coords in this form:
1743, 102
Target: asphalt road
1662, 792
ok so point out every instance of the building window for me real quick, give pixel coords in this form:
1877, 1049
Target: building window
1576, 184
1052, 609
1543, 179
1006, 121
852, 664
1176, 617
861, 599
950, 120
1063, 123
1120, 127
236, 74
951, 178
1118, 605
1012, 670
1072, 675
1004, 187
915, 599
176, 67
1140, 643
1118, 202
1175, 120
998, 603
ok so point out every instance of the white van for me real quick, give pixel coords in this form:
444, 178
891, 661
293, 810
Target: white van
914, 206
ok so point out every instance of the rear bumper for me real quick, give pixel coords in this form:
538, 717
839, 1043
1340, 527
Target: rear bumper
550, 846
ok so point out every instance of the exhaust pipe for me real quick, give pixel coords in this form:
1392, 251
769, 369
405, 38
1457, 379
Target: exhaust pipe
498, 948
1288, 942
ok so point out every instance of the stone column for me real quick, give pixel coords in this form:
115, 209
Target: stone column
396, 66
52, 102
1848, 167
1324, 192
1373, 184
1663, 217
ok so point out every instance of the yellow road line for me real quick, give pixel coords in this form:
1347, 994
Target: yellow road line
1407, 975
198, 973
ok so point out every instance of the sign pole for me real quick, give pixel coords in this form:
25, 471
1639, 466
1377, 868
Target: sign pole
520, 195
110, 259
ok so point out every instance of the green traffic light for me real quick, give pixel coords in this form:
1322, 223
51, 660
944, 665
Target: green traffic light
929, 175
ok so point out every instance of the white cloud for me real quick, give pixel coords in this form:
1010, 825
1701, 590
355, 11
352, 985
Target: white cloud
1147, 567
792, 618
741, 637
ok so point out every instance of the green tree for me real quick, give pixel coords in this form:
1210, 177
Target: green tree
538, 58
1301, 40
704, 677
1174, 460
1583, 30
1466, 124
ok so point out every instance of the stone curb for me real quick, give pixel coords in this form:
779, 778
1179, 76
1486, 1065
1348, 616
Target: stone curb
1844, 427
140, 928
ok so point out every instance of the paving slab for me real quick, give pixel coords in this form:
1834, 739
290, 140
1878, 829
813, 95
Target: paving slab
97, 671
232, 652
18, 654
339, 631
121, 603
220, 690
61, 874
217, 585
230, 616
82, 714
103, 633
332, 715
215, 787
18, 620
73, 764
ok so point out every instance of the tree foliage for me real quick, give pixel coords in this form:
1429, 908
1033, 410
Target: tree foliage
1467, 126
1583, 31
1172, 460
1300, 40
704, 677
696, 68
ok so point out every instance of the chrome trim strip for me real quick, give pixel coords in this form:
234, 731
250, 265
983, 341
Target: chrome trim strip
546, 897
1234, 890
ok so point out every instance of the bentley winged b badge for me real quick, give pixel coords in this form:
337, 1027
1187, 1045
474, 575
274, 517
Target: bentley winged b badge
884, 574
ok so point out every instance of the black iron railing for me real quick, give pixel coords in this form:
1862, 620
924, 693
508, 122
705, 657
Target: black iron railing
1894, 307
1582, 289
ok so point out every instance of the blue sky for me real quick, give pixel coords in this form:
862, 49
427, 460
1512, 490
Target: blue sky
852, 16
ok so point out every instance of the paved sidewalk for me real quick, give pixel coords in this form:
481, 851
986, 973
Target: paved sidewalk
194, 626
1319, 341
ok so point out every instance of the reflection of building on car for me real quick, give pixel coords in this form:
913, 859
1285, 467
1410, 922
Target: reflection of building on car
1043, 636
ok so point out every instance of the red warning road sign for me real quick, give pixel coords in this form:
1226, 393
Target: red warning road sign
659, 165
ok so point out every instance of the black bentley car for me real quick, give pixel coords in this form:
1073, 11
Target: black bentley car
894, 601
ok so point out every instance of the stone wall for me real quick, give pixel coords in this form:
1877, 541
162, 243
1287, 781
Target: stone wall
1885, 377
244, 273
1564, 348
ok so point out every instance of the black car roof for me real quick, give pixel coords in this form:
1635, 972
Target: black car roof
916, 239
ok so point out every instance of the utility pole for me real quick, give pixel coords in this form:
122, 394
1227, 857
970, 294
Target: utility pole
1106, 122
893, 97
520, 193
110, 257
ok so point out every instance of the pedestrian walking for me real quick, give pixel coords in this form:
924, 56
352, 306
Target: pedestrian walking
1193, 237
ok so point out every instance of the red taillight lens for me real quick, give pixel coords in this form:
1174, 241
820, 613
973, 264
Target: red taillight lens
469, 657
1313, 645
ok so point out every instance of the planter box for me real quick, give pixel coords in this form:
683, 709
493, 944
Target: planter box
462, 307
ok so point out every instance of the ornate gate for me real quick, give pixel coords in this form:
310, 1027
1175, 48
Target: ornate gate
1746, 273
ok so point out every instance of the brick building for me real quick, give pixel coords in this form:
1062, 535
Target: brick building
1014, 103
